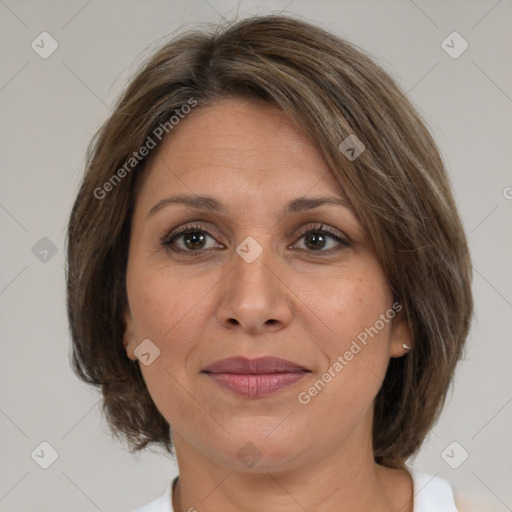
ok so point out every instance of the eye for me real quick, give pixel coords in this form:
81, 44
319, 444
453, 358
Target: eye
195, 239
321, 238
190, 239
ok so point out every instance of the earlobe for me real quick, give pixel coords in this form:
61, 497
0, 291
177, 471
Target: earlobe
401, 336
128, 337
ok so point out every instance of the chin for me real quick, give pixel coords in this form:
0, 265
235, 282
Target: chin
266, 449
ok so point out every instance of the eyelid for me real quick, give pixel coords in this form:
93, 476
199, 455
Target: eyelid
342, 241
167, 238
335, 233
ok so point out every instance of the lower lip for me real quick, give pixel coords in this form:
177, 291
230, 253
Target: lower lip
256, 385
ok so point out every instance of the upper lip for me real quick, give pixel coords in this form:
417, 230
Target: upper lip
260, 365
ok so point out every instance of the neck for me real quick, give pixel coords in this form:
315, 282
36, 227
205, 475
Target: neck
343, 480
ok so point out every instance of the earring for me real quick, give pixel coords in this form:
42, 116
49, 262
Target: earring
406, 347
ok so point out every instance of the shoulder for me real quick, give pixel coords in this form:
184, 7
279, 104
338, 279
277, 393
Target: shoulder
161, 504
432, 492
467, 503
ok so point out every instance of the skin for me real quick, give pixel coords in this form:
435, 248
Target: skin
295, 302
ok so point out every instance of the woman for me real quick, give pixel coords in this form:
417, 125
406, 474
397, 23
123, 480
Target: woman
267, 274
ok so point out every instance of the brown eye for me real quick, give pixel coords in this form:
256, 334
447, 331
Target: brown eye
321, 239
315, 241
194, 240
190, 239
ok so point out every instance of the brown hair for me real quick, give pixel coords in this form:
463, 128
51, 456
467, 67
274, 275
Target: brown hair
397, 186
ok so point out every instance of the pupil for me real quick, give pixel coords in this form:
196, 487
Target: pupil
194, 240
313, 239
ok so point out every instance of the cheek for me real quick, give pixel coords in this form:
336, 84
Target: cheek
172, 312
162, 304
167, 311
358, 346
353, 305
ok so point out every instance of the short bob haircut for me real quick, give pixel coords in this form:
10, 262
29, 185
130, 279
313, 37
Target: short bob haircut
398, 188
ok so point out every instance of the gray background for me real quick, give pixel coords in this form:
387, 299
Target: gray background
50, 109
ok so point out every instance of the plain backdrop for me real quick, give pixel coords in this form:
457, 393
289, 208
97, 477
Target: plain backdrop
52, 106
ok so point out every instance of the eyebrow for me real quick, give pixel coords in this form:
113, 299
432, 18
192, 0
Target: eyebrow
209, 203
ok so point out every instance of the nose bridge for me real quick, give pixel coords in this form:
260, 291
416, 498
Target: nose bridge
258, 272
252, 278
253, 296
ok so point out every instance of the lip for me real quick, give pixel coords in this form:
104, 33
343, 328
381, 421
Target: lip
255, 378
259, 365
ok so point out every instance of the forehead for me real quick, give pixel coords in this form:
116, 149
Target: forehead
241, 145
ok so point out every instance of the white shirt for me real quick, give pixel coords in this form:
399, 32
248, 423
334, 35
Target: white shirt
431, 494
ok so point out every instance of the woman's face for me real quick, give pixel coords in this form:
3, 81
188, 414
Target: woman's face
272, 264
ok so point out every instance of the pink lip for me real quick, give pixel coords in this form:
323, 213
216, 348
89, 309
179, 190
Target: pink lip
254, 378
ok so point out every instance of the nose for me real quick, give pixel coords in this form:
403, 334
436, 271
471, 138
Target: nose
254, 296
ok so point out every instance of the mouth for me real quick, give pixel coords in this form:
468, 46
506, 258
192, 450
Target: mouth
255, 378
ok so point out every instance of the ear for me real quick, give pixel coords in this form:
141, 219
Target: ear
129, 336
400, 335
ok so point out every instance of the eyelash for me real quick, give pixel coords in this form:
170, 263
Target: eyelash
168, 239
